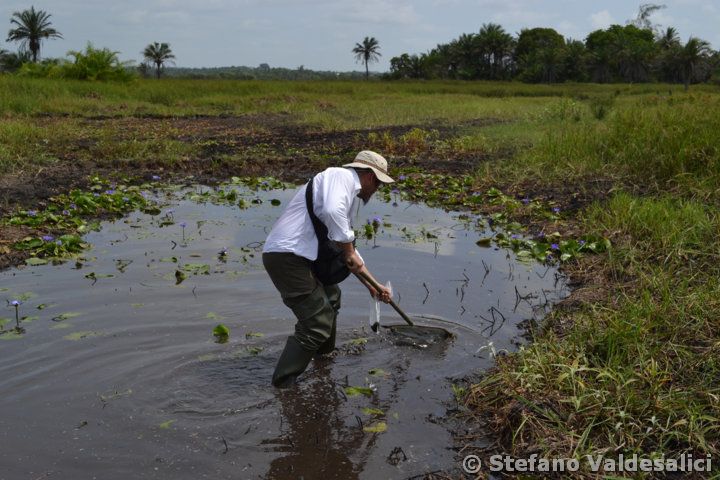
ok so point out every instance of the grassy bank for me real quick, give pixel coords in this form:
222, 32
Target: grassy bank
635, 369
627, 365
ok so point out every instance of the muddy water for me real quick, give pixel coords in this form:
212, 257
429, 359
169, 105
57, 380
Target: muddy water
119, 375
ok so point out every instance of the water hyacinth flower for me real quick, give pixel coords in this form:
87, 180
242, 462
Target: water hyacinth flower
183, 224
514, 236
109, 192
58, 242
402, 178
556, 210
526, 200
31, 213
554, 246
66, 212
16, 304
73, 206
155, 177
125, 199
96, 194
48, 238
581, 242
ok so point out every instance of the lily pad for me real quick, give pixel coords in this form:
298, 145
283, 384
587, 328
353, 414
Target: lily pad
484, 242
377, 427
33, 261
376, 412
166, 425
355, 391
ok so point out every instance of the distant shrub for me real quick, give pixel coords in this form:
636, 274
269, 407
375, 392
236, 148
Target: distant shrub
91, 64
96, 64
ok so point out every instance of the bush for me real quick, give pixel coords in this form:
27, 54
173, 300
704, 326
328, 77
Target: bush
92, 64
96, 64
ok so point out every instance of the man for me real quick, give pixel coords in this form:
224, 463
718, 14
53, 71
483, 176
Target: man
292, 246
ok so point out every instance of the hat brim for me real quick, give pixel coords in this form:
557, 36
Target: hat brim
383, 177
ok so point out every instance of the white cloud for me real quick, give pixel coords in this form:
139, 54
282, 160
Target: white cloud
602, 19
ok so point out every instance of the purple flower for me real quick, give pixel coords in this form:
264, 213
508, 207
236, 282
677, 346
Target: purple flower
183, 224
73, 206
58, 242
541, 235
126, 199
581, 242
156, 177
96, 194
368, 221
144, 194
16, 303
395, 191
549, 257
109, 192
48, 238
556, 210
514, 236
526, 200
476, 194
32, 213
402, 178
65, 212
554, 246
377, 219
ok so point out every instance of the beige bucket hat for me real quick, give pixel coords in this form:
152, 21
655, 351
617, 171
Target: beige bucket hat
373, 161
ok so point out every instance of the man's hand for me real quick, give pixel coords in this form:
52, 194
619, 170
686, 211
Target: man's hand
353, 262
383, 295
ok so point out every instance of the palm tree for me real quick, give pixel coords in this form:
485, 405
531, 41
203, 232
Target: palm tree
691, 56
496, 46
158, 54
32, 27
366, 52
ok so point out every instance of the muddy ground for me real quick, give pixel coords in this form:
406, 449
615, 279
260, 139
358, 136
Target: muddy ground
255, 145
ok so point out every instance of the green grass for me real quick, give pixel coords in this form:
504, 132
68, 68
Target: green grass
635, 371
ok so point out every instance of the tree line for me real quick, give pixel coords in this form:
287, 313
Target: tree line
635, 52
31, 27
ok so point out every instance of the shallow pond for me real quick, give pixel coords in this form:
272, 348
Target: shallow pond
118, 374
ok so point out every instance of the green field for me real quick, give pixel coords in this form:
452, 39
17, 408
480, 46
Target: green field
629, 363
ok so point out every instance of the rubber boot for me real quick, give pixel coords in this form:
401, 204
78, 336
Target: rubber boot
293, 361
333, 294
314, 327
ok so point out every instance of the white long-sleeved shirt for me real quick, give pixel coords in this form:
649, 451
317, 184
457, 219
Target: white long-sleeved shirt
335, 193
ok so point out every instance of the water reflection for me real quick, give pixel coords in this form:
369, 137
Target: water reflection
314, 438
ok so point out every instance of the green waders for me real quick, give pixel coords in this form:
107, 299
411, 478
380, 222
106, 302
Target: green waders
315, 306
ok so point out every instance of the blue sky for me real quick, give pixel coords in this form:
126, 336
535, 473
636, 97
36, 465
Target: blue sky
320, 34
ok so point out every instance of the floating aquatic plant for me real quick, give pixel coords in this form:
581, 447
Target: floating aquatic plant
221, 333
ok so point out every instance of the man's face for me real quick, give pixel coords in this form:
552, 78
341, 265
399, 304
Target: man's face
369, 184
